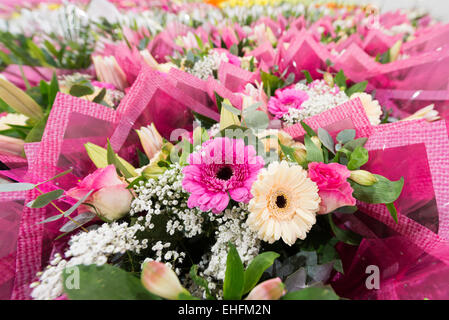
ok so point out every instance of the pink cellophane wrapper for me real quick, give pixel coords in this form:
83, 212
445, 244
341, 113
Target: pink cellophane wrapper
12, 206
413, 254
147, 102
72, 123
349, 115
406, 102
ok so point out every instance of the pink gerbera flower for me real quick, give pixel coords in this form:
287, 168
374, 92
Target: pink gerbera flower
223, 168
286, 99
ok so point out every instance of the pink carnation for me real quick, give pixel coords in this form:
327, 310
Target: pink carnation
334, 189
223, 168
286, 99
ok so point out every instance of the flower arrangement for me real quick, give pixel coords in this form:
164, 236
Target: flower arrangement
222, 150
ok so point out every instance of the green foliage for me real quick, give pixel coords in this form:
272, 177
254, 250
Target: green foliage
234, 276
104, 282
256, 268
312, 293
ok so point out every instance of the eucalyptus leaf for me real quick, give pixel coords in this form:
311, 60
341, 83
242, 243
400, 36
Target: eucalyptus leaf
326, 139
11, 187
80, 219
77, 204
346, 136
51, 219
44, 199
257, 120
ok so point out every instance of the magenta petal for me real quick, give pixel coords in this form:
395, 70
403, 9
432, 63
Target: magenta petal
239, 194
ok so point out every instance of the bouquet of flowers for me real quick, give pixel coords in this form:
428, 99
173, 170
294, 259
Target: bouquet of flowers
222, 150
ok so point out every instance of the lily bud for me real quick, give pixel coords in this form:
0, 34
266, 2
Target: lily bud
316, 141
300, 152
151, 140
11, 145
363, 177
19, 100
109, 71
428, 113
272, 289
328, 79
160, 280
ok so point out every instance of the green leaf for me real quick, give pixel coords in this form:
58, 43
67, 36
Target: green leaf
51, 219
219, 101
199, 281
358, 87
358, 158
104, 282
314, 154
234, 276
346, 136
45, 199
35, 135
326, 139
56, 176
256, 120
203, 120
312, 293
345, 236
308, 76
100, 96
80, 90
229, 115
353, 144
340, 79
187, 149
270, 82
115, 160
256, 268
77, 204
11, 187
383, 191
393, 211
52, 90
308, 129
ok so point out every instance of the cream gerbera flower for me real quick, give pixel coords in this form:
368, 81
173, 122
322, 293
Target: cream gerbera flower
372, 107
284, 205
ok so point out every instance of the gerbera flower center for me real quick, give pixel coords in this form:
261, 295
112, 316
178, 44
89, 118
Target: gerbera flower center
281, 202
224, 173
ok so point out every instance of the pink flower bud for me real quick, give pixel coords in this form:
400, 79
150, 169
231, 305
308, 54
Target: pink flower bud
162, 281
272, 289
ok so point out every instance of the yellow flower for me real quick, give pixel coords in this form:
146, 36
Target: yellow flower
372, 107
284, 205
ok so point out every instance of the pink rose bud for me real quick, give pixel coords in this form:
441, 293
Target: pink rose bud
110, 197
334, 189
162, 281
272, 289
151, 140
